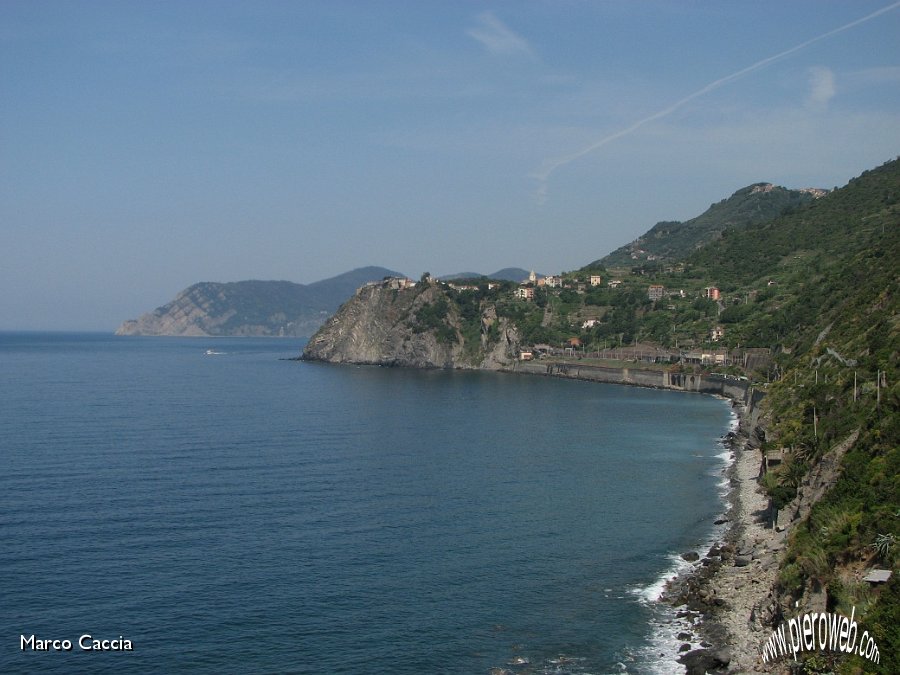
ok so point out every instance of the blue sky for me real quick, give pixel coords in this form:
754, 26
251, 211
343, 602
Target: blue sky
146, 146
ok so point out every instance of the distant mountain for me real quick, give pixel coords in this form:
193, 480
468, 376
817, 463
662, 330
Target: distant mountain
258, 308
462, 275
330, 293
511, 274
673, 240
516, 274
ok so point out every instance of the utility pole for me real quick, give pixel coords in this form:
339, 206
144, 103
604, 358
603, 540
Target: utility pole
878, 390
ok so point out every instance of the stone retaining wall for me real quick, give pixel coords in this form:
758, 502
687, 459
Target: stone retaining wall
737, 390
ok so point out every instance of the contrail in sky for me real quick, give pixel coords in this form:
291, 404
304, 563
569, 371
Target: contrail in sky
550, 166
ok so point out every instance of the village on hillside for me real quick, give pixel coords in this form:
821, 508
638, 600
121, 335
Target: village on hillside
577, 310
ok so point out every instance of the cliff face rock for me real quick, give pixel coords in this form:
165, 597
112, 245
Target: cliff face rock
417, 327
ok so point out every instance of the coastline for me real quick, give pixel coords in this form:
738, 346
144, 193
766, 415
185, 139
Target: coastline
720, 600
728, 594
723, 598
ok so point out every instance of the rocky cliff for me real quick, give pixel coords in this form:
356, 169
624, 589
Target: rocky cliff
420, 326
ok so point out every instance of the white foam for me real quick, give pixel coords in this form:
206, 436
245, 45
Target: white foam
653, 592
661, 654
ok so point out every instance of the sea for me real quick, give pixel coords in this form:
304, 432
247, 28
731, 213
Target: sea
221, 508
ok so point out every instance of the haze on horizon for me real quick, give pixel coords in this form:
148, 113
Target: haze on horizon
148, 146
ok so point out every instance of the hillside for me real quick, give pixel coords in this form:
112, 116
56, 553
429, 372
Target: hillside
831, 311
258, 308
764, 286
804, 305
669, 241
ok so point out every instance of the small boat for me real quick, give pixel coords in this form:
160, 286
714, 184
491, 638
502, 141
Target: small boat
213, 352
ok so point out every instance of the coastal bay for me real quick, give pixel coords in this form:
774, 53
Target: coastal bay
355, 519
726, 599
801, 303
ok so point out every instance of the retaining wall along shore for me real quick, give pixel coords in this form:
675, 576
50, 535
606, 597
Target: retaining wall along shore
738, 390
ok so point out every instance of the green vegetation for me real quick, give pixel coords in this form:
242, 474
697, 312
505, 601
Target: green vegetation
434, 317
458, 316
816, 290
832, 317
672, 240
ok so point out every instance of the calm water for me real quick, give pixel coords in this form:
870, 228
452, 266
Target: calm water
239, 513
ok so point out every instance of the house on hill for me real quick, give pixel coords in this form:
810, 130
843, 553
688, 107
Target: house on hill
398, 283
553, 281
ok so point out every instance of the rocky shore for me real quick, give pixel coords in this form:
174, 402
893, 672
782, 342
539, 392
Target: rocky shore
728, 596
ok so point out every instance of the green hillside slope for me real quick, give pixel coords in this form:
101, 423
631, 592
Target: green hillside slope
833, 316
672, 240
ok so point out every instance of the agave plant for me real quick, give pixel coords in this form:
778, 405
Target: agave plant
883, 544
